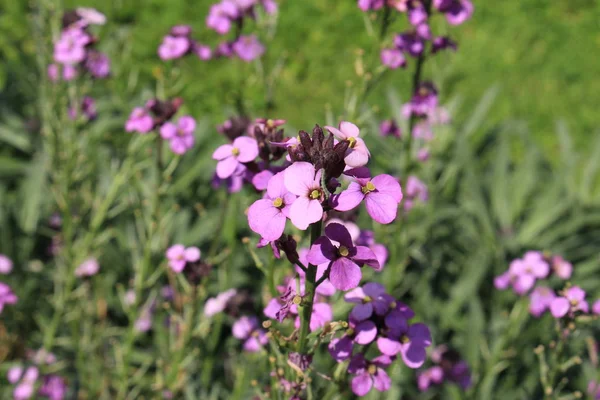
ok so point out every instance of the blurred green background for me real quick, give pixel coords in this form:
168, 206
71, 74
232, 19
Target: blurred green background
543, 56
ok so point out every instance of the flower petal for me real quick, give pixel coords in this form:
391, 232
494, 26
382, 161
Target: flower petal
321, 252
362, 384
388, 346
389, 185
305, 212
168, 130
226, 167
381, 207
192, 254
248, 148
366, 332
222, 152
266, 220
340, 234
349, 198
381, 380
299, 178
344, 274
361, 312
365, 255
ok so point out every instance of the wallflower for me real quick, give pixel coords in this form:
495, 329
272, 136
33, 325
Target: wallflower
180, 135
571, 302
456, 11
243, 149
540, 300
6, 296
430, 377
248, 47
369, 374
70, 48
357, 154
139, 121
6, 264
53, 387
381, 194
221, 15
410, 341
98, 64
178, 256
410, 42
69, 72
89, 267
267, 216
215, 305
370, 298
301, 179
415, 189
525, 271
393, 58
442, 43
26, 386
344, 258
367, 5
173, 47
248, 330
361, 333
561, 268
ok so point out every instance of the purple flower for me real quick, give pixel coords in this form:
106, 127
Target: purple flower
369, 374
180, 136
367, 5
423, 102
572, 301
247, 329
596, 307
361, 333
70, 48
181, 30
593, 390
248, 47
322, 314
430, 377
457, 11
6, 296
414, 189
53, 387
389, 128
561, 268
87, 108
540, 300
173, 47
215, 305
178, 256
301, 179
234, 183
442, 43
381, 194
270, 6
139, 121
357, 154
408, 340
98, 64
6, 265
202, 51
369, 298
243, 149
144, 321
91, 16
344, 258
525, 271
220, 16
393, 58
410, 42
267, 216
367, 238
69, 72
24, 390
417, 14
89, 267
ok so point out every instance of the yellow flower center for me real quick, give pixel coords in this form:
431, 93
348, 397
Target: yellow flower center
369, 187
343, 250
372, 369
278, 202
270, 123
405, 339
235, 151
297, 300
423, 91
367, 299
393, 304
574, 302
352, 142
315, 194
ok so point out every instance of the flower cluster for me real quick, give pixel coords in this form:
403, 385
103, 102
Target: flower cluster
378, 317
414, 190
89, 267
7, 296
26, 378
157, 114
75, 51
524, 273
448, 367
179, 43
86, 108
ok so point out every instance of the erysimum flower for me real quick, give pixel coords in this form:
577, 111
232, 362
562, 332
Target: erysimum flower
98, 64
344, 258
6, 264
139, 121
370, 298
382, 194
367, 5
70, 48
392, 58
89, 267
215, 305
267, 216
173, 47
369, 374
180, 135
361, 333
178, 256
540, 300
572, 301
53, 387
247, 329
220, 16
561, 268
429, 377
248, 47
301, 179
91, 16
243, 149
456, 11
357, 154
6, 296
408, 340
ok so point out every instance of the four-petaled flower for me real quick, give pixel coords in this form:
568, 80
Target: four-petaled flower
178, 256
301, 179
243, 150
357, 154
408, 340
572, 301
369, 374
180, 136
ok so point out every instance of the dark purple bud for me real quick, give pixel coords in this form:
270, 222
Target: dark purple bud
69, 18
303, 361
195, 272
288, 245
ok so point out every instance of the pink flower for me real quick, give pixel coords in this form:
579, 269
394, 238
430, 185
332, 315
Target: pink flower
301, 179
561, 268
524, 272
173, 47
6, 264
369, 374
203, 52
596, 307
267, 216
248, 330
343, 257
178, 256
429, 377
572, 301
91, 16
25, 389
457, 11
6, 296
139, 121
382, 194
367, 5
357, 154
243, 149
248, 47
393, 58
215, 305
540, 300
180, 136
70, 48
53, 387
89, 267
370, 298
220, 16
410, 341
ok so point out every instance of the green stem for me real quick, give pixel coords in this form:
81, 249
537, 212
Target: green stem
309, 292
